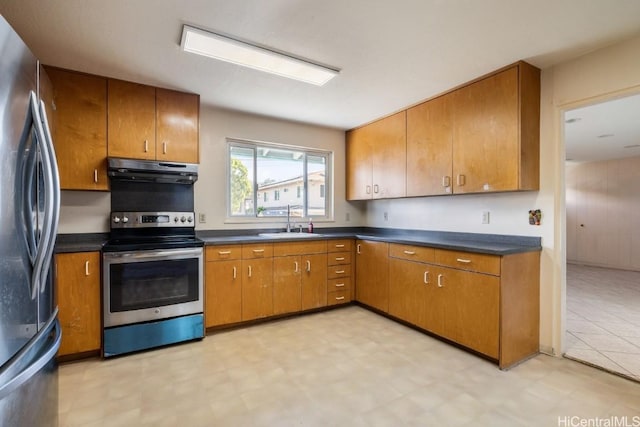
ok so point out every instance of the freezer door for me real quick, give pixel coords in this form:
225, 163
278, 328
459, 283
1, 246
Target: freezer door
18, 309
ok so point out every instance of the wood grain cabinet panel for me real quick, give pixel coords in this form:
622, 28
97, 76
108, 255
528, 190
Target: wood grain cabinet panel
132, 120
372, 274
314, 281
429, 148
496, 132
223, 303
287, 284
79, 130
77, 284
257, 288
376, 159
178, 125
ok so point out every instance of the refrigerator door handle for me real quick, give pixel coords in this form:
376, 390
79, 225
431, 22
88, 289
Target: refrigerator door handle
52, 195
6, 387
40, 264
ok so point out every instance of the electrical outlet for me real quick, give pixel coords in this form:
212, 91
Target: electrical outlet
386, 216
347, 217
202, 218
485, 217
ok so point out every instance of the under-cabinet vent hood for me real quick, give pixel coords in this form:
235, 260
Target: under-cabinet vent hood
152, 171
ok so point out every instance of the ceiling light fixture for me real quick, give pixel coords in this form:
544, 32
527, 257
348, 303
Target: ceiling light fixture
223, 48
575, 119
606, 135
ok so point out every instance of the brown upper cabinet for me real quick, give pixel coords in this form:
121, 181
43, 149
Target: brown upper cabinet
79, 129
151, 123
496, 136
481, 137
377, 159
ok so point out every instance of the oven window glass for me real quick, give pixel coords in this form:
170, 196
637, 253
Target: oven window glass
140, 285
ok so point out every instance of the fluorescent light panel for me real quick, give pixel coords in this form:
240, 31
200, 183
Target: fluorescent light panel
223, 48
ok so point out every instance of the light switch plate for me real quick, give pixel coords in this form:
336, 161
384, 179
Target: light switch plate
485, 217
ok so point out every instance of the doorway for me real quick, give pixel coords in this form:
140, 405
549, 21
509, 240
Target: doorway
602, 197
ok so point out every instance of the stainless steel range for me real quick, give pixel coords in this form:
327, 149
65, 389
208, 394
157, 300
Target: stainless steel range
152, 268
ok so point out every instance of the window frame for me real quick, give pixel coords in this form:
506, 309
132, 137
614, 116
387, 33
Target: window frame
307, 151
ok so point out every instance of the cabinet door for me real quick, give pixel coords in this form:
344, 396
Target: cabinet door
80, 130
131, 120
372, 274
177, 121
257, 288
486, 145
287, 291
429, 140
389, 156
359, 164
78, 290
224, 293
407, 290
314, 281
472, 302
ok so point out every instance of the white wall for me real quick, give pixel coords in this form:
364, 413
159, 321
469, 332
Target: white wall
88, 211
603, 220
216, 125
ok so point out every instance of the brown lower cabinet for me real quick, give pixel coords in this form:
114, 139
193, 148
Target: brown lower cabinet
77, 282
487, 303
372, 274
257, 288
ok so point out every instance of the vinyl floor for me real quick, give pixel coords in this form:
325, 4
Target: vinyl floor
344, 367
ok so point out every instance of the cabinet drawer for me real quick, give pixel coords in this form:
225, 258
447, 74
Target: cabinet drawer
411, 253
261, 250
341, 245
341, 284
338, 271
338, 297
482, 263
222, 253
300, 248
339, 258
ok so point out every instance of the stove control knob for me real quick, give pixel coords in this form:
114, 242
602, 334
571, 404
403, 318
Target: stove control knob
175, 219
125, 219
183, 219
116, 219
189, 220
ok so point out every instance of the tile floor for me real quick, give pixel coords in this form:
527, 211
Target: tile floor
603, 318
344, 367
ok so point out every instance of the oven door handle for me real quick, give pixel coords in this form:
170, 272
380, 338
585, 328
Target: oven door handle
154, 254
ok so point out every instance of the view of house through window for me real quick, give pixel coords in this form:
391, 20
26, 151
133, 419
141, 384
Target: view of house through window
265, 180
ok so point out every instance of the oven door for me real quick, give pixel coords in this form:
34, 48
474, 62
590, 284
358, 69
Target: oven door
141, 286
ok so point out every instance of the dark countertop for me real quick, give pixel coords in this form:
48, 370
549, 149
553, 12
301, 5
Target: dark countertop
494, 244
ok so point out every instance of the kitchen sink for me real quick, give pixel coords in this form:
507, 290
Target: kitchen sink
285, 235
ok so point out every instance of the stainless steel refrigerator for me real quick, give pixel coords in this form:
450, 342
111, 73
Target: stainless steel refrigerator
29, 209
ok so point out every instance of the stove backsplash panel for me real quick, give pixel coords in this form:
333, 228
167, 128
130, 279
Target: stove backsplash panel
129, 196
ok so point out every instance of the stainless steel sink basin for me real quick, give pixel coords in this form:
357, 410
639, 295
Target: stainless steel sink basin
285, 235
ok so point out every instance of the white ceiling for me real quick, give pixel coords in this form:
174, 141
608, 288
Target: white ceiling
391, 53
609, 130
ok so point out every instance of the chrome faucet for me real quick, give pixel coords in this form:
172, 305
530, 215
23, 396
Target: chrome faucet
288, 218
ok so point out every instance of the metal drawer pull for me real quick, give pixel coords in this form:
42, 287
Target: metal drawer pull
86, 268
146, 146
464, 261
95, 175
258, 251
339, 271
249, 271
426, 277
339, 298
368, 189
460, 180
164, 148
224, 252
376, 188
340, 258
308, 265
339, 285
234, 272
358, 249
339, 246
409, 252
446, 181
296, 264
440, 285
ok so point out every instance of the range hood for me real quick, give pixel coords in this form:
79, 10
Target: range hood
152, 171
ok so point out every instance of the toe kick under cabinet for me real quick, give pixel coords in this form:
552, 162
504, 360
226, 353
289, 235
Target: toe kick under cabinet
487, 303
